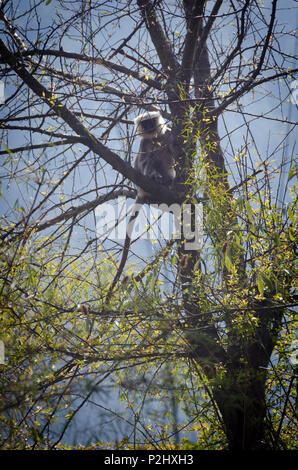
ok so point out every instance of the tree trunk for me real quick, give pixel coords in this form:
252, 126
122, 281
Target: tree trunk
240, 397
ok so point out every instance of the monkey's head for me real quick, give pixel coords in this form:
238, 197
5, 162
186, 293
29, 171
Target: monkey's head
149, 124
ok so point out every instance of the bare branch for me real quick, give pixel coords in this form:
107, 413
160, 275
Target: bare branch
194, 11
97, 61
87, 207
163, 49
86, 137
249, 84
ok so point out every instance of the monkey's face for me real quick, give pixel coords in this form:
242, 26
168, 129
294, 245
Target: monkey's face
149, 126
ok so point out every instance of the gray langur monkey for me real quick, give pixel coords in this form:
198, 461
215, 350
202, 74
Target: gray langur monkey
154, 160
155, 156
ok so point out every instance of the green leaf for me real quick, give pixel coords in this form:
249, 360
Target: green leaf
249, 210
276, 238
292, 235
291, 215
292, 173
7, 149
269, 282
260, 284
228, 262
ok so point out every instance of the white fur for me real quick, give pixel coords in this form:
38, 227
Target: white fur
161, 125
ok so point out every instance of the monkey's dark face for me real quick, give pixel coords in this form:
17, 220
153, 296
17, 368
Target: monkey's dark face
149, 126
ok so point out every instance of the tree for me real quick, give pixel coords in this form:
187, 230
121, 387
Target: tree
76, 73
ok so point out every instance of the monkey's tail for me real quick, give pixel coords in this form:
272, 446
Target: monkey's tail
125, 251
